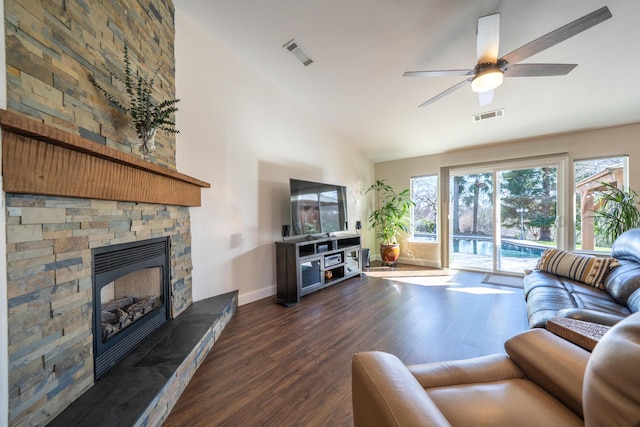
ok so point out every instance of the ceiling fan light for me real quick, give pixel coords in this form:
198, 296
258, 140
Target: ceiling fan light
487, 80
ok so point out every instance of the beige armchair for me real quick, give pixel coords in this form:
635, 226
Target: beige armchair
544, 381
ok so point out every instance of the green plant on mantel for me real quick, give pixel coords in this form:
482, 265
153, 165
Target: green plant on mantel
148, 116
617, 211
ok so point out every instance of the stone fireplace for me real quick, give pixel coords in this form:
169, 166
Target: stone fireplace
73, 185
58, 227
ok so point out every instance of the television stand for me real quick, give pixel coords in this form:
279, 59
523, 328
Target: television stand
306, 265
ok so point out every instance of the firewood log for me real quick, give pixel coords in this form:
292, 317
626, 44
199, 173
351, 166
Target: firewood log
122, 316
117, 303
108, 331
109, 317
143, 306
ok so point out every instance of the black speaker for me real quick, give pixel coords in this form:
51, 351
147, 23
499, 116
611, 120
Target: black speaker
358, 225
285, 230
365, 257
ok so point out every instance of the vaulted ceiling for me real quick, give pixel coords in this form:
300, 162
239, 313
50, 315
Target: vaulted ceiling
361, 48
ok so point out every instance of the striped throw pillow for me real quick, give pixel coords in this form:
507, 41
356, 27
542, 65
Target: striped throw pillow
583, 268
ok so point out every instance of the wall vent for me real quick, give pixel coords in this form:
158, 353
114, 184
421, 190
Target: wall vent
297, 51
488, 115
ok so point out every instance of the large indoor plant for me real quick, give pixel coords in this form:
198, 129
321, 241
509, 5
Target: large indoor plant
617, 210
148, 115
389, 218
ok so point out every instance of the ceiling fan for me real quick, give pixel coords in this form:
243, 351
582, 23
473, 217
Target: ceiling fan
490, 70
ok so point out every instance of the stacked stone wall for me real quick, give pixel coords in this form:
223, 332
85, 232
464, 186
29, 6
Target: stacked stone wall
51, 48
49, 242
53, 45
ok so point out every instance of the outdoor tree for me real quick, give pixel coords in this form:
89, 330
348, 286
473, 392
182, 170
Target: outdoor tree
547, 213
458, 189
532, 191
477, 185
425, 196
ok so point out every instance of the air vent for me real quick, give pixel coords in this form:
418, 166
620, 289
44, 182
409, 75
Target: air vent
297, 51
488, 115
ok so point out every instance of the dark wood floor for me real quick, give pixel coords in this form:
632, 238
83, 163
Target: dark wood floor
278, 366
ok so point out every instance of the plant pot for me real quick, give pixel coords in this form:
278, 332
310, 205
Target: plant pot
390, 254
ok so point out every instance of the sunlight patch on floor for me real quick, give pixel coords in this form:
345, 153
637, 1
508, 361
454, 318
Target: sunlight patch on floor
403, 270
480, 290
503, 280
426, 281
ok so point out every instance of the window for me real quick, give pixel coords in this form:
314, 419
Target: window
424, 192
592, 178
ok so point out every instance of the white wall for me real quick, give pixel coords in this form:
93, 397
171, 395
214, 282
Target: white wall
579, 145
245, 137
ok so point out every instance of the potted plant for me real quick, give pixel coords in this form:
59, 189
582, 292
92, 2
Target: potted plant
617, 210
389, 217
148, 116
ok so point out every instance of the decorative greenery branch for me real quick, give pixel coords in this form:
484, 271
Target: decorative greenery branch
146, 113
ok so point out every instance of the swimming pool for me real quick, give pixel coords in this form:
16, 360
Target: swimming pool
484, 246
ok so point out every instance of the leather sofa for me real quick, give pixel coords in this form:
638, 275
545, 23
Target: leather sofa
548, 295
543, 381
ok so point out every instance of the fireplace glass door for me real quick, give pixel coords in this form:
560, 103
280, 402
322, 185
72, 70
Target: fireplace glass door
131, 297
128, 299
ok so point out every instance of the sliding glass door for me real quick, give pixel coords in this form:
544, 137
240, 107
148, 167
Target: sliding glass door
528, 205
504, 216
472, 233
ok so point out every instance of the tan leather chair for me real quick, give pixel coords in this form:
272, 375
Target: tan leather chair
544, 381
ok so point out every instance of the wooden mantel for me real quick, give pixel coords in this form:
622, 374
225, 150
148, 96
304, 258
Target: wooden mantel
41, 159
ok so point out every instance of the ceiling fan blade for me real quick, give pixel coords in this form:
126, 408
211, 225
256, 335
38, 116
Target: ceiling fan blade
559, 35
446, 92
488, 41
439, 73
539, 70
485, 98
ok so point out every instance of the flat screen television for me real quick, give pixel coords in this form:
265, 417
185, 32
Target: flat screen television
317, 208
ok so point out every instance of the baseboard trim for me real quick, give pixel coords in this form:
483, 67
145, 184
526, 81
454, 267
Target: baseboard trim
251, 296
421, 263
410, 261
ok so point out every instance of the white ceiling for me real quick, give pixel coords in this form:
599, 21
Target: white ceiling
362, 47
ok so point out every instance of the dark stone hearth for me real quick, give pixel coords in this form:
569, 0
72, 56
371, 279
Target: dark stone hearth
122, 395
